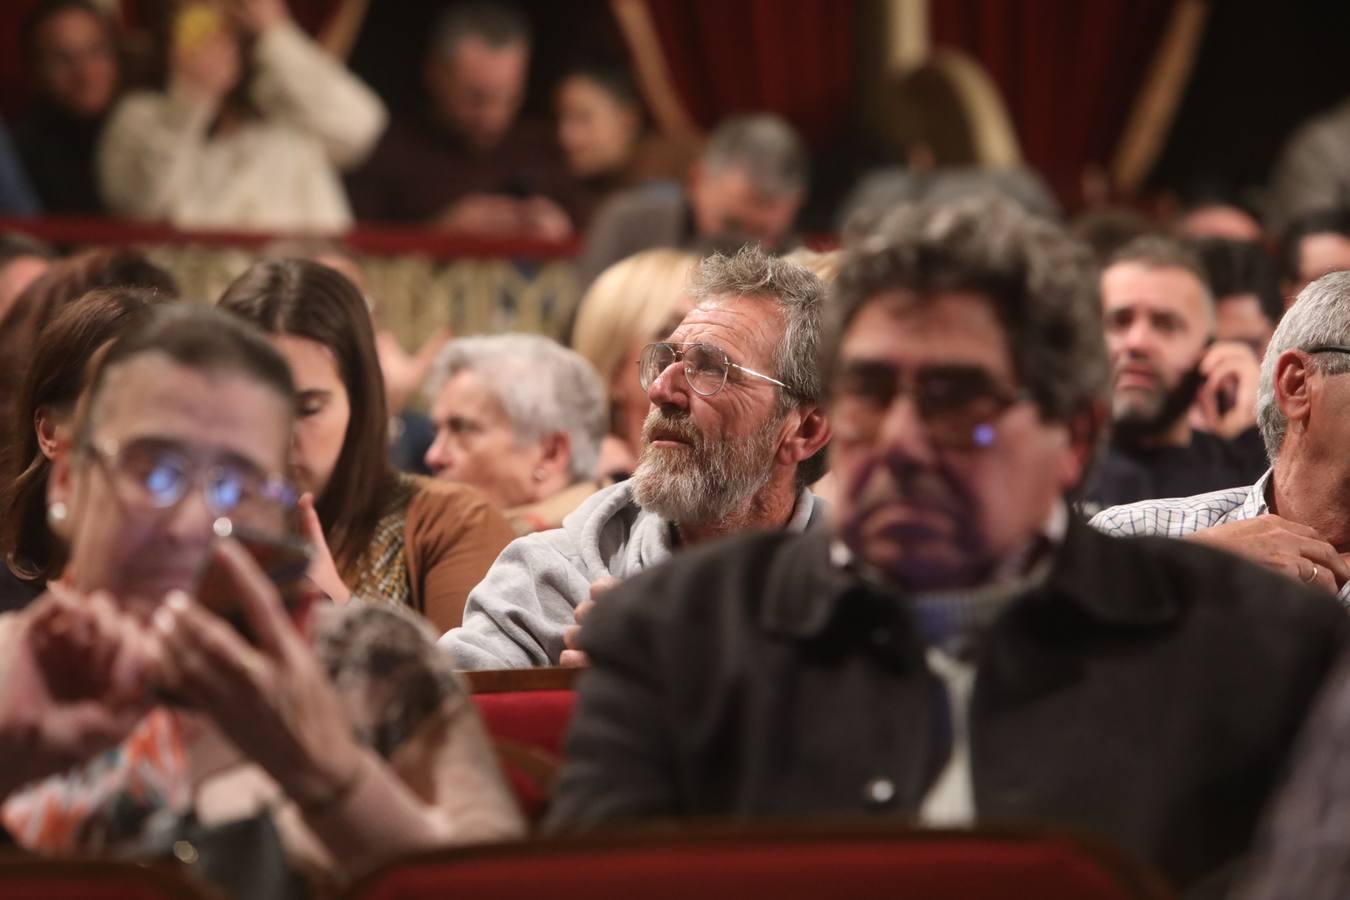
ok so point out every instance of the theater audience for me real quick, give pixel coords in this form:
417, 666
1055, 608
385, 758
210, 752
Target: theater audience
1313, 245
395, 539
39, 424
1183, 408
746, 186
71, 55
250, 130
22, 260
604, 136
520, 418
961, 649
729, 445
64, 281
637, 300
1295, 518
468, 162
333, 735
1245, 284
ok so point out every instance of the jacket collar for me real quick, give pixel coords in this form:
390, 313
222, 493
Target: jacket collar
802, 594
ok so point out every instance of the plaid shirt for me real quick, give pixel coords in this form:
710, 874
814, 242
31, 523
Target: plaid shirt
1179, 516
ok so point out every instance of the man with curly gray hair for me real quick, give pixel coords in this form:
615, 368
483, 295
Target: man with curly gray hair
734, 436
959, 647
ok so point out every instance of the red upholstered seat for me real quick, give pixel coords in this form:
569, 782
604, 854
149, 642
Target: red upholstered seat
797, 864
527, 713
30, 878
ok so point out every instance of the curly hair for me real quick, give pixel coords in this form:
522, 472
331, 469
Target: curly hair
1041, 283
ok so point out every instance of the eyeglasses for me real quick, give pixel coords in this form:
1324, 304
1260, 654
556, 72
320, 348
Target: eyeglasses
150, 474
959, 405
705, 366
1328, 348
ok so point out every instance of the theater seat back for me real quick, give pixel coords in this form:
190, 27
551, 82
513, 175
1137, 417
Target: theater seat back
31, 878
864, 864
527, 713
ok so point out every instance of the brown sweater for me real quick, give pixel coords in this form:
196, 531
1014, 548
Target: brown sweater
452, 536
434, 543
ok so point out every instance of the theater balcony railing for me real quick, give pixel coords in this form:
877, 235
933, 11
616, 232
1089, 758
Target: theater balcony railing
418, 280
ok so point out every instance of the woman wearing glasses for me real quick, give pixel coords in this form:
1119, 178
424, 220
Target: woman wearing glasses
133, 719
395, 539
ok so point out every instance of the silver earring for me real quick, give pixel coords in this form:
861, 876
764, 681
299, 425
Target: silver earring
539, 474
56, 513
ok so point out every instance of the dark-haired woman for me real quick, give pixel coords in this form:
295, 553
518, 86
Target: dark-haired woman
394, 538
39, 423
62, 282
604, 136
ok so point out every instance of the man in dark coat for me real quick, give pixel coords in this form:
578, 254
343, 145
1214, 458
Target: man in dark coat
962, 648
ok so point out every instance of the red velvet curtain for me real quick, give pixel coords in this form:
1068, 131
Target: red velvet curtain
792, 58
1069, 70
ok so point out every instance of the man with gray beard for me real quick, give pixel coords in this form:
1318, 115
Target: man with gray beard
732, 441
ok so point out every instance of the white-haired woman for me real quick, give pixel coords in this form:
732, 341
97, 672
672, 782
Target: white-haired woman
521, 418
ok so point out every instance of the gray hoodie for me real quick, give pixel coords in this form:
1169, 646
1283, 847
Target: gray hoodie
515, 617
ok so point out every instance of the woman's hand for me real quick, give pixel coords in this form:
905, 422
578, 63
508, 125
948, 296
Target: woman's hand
73, 682
272, 699
209, 66
323, 569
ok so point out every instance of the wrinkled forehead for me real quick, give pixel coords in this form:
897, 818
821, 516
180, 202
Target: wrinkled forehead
749, 329
214, 412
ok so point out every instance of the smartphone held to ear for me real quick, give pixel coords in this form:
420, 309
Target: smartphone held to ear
283, 558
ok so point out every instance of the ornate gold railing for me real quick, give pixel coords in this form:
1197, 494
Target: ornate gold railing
419, 280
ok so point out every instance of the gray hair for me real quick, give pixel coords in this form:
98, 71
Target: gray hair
767, 148
1319, 317
800, 297
541, 386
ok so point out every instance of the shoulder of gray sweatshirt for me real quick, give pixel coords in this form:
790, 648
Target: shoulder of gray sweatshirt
515, 617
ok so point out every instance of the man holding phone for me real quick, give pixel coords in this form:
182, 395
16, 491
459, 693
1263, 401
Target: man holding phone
1183, 407
1295, 518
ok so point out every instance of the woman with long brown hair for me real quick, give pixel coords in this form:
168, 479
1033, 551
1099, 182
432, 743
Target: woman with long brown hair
394, 538
62, 282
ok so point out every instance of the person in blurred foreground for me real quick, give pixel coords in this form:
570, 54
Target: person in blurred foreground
135, 712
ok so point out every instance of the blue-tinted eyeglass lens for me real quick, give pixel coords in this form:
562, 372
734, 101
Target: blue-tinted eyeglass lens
224, 490
165, 481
